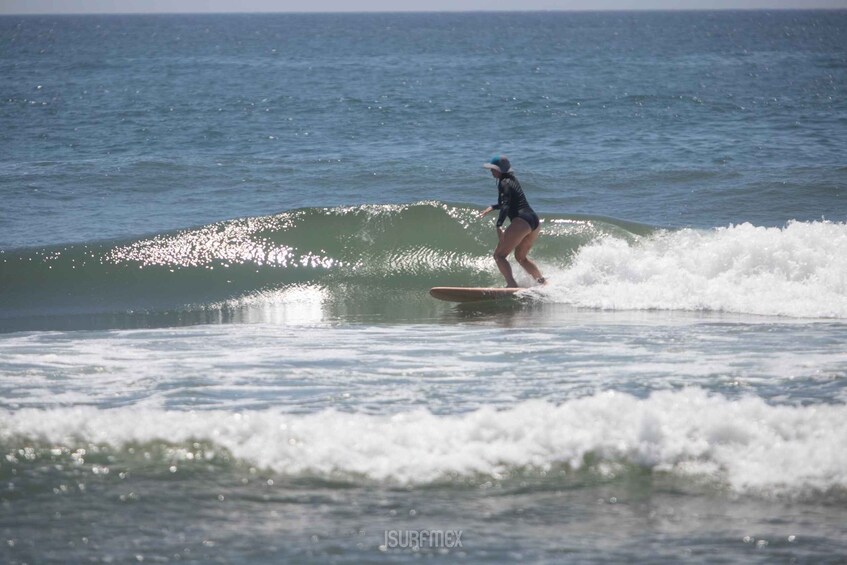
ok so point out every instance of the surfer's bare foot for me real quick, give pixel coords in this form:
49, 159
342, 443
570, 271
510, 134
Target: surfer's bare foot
541, 280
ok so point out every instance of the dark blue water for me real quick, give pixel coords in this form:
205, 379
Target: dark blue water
126, 125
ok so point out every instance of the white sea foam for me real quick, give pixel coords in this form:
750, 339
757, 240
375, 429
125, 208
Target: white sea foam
799, 270
295, 304
747, 444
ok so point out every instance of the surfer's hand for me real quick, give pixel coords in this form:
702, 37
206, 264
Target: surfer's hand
485, 212
500, 233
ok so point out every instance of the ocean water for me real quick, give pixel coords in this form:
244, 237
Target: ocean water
217, 234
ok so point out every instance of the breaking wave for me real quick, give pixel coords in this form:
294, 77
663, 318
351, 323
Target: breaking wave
370, 260
746, 445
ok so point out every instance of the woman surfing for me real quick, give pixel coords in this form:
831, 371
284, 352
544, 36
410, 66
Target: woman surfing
523, 227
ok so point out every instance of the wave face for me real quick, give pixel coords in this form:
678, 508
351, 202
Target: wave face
745, 445
378, 261
358, 259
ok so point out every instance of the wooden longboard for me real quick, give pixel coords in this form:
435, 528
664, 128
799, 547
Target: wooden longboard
468, 294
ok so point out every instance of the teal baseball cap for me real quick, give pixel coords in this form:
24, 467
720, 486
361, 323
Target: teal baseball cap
499, 163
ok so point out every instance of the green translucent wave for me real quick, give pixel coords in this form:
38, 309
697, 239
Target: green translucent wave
352, 254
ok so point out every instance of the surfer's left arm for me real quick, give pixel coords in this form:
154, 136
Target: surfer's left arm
503, 204
498, 227
491, 209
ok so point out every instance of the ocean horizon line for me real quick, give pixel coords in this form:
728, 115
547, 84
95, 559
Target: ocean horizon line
434, 12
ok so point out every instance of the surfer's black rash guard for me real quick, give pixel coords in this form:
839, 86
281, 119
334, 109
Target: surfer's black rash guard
511, 202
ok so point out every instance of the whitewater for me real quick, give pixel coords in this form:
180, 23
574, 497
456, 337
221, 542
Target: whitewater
746, 444
799, 270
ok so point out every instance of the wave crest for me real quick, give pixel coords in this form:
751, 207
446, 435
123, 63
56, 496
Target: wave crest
745, 444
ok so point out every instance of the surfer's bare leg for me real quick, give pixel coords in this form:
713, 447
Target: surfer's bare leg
518, 230
521, 255
506, 271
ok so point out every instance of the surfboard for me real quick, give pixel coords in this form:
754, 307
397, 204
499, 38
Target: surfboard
470, 294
